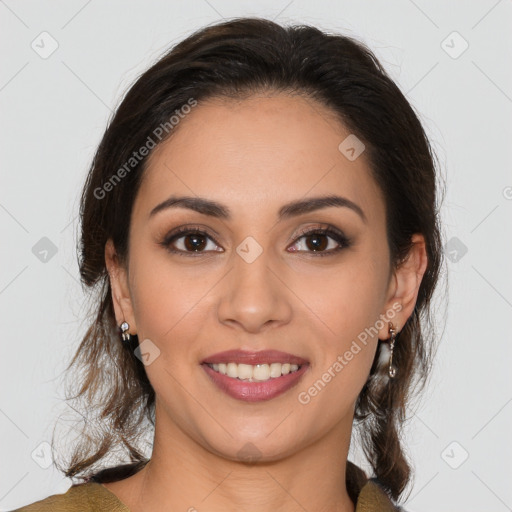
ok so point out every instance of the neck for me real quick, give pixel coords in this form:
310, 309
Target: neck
183, 475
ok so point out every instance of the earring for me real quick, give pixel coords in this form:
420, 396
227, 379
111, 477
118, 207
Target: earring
392, 337
125, 335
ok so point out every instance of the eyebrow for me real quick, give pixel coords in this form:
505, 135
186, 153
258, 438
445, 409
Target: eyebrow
292, 209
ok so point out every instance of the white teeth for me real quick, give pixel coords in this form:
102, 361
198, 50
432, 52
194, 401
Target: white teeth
244, 371
275, 370
257, 372
260, 372
232, 370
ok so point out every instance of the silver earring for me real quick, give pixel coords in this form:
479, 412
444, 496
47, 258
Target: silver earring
392, 337
125, 335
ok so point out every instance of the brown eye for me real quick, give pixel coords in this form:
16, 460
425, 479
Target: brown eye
320, 242
194, 242
317, 242
189, 241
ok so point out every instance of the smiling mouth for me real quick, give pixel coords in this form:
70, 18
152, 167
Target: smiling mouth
256, 372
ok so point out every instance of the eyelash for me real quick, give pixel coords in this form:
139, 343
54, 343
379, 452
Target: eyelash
333, 233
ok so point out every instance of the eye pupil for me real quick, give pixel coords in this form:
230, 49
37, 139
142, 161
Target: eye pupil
319, 242
195, 242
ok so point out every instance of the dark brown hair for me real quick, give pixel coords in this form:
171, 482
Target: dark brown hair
235, 59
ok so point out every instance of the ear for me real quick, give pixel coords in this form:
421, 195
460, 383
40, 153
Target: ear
404, 286
120, 290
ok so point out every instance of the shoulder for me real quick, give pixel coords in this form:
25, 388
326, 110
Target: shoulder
373, 498
367, 494
87, 497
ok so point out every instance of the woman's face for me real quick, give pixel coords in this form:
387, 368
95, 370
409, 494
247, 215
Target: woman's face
254, 282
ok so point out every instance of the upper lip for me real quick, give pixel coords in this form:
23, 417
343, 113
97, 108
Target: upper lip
246, 357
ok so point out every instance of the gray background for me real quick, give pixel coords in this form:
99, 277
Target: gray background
54, 111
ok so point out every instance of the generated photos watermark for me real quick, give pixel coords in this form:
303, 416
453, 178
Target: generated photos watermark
159, 134
344, 359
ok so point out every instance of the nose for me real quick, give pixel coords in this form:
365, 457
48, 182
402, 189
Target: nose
252, 297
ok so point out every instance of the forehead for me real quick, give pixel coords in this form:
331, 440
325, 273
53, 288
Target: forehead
257, 152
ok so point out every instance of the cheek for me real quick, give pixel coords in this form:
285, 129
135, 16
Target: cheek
346, 306
345, 298
167, 300
170, 305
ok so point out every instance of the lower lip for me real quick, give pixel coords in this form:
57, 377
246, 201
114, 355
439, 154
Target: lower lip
255, 391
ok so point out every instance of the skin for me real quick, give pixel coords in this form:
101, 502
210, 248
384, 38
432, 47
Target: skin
253, 156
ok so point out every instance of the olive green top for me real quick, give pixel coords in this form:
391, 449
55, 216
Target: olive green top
94, 497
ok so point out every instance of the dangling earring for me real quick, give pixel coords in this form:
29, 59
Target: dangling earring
125, 335
392, 337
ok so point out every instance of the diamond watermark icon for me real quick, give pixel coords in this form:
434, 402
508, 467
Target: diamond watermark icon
147, 352
42, 455
351, 147
454, 45
455, 250
44, 45
249, 249
249, 453
454, 455
44, 250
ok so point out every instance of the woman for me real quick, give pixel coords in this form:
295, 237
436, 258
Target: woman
260, 223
